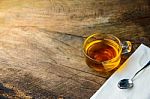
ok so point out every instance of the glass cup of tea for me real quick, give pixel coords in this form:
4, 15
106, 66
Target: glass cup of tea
103, 51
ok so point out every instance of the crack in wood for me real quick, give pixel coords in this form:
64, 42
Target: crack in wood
84, 71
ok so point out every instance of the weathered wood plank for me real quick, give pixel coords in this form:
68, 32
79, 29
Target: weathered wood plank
35, 60
70, 16
41, 43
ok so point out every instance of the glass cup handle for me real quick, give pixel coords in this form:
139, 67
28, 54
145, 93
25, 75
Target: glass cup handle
126, 47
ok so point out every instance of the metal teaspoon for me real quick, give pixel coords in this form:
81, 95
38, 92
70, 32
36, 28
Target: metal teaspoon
128, 83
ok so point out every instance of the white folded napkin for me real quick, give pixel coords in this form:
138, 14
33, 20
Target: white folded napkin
141, 88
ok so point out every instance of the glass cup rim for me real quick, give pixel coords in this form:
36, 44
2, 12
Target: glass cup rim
116, 57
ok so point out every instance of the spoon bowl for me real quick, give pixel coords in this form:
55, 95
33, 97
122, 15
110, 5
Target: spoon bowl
125, 84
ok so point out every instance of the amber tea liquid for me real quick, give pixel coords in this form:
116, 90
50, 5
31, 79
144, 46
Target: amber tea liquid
101, 51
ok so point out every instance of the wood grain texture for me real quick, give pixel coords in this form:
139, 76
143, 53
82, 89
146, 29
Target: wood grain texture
46, 64
41, 43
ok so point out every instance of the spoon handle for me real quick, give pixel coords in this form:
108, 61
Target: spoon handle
141, 69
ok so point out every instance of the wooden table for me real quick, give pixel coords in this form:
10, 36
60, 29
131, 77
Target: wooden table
41, 44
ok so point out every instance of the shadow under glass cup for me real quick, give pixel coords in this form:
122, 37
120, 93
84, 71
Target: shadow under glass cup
103, 51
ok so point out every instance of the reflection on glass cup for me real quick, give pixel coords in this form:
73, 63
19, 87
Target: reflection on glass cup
103, 51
